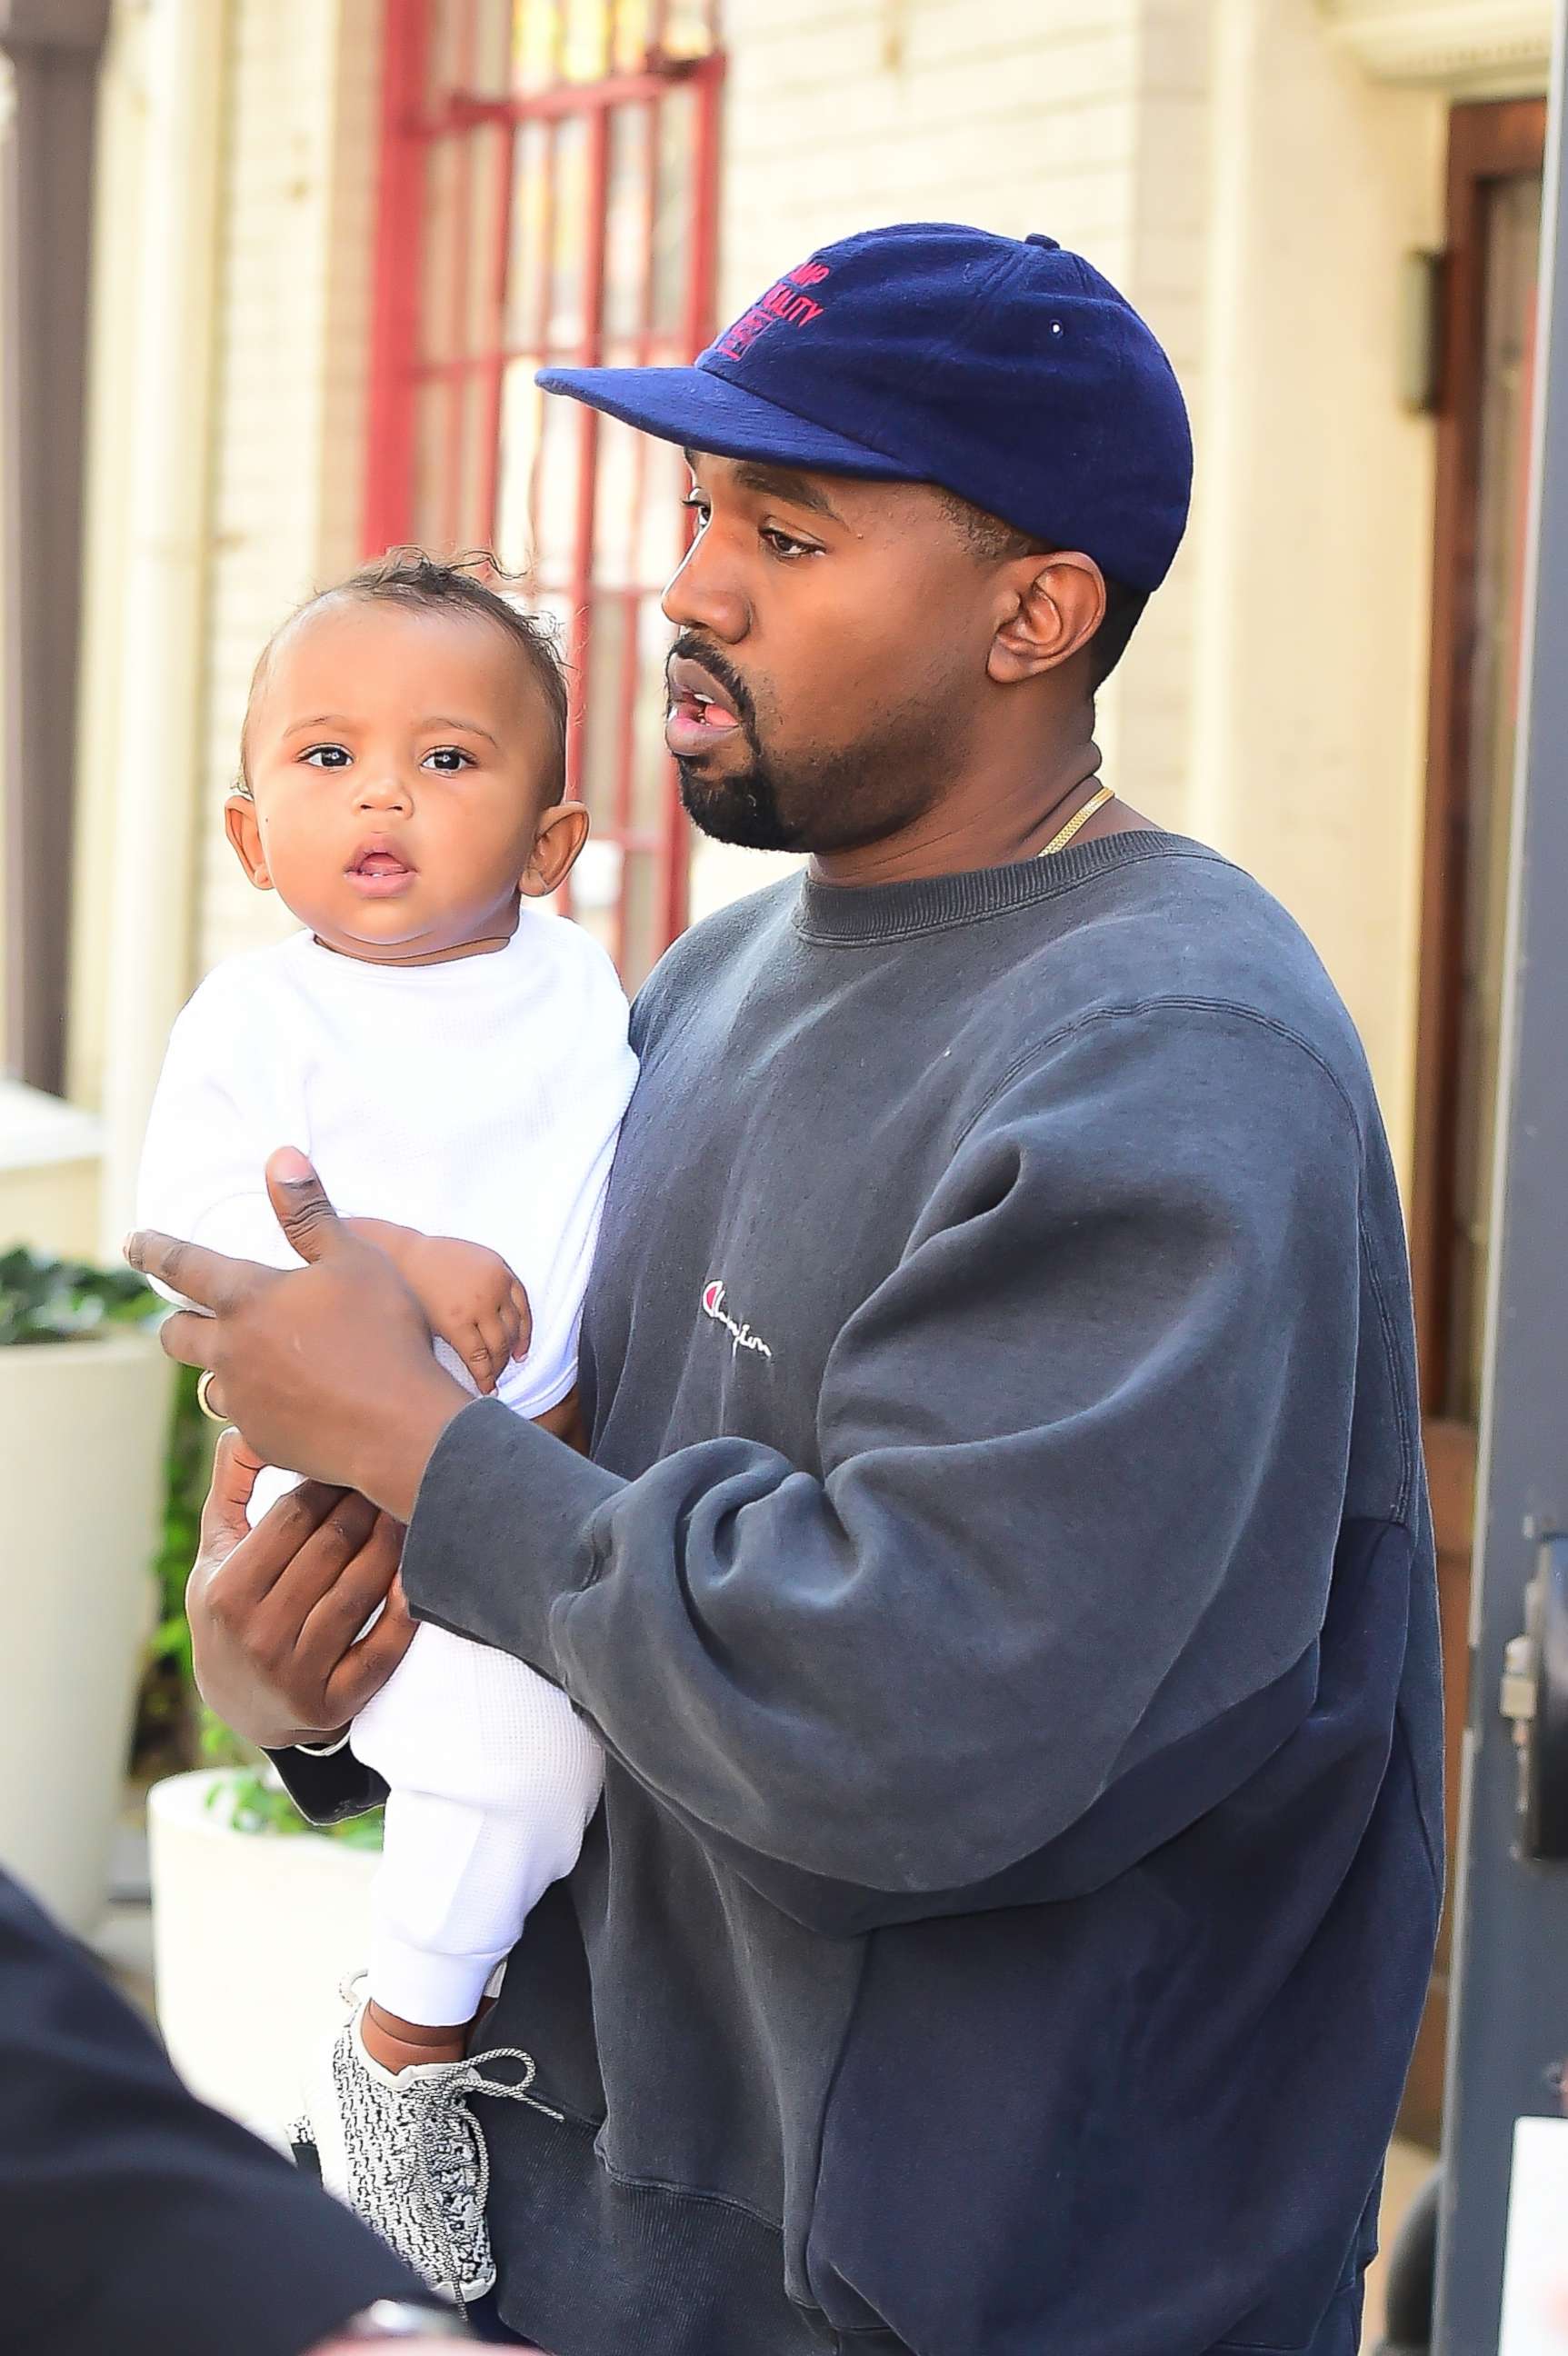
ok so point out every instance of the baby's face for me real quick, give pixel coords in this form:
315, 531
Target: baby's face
398, 762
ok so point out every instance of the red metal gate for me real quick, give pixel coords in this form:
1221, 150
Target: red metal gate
549, 194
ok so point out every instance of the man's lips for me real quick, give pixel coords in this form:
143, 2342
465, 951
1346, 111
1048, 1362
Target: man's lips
702, 714
376, 872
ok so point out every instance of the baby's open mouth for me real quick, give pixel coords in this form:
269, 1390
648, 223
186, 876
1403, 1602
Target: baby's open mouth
377, 871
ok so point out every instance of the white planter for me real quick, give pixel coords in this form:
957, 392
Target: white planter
252, 1934
83, 1437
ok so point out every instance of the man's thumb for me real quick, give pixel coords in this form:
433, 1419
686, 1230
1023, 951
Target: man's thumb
299, 1200
235, 1470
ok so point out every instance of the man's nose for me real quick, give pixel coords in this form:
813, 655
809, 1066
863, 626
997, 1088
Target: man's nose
704, 596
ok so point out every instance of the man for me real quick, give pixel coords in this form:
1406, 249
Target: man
1001, 1580
134, 2221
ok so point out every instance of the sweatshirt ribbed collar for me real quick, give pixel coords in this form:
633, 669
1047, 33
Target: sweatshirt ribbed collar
854, 914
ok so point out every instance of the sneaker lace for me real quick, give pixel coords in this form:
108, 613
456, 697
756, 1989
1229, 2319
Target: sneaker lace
450, 2161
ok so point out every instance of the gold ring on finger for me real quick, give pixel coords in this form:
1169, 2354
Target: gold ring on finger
204, 1398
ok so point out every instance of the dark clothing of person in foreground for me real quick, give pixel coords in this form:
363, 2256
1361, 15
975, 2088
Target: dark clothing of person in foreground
133, 2220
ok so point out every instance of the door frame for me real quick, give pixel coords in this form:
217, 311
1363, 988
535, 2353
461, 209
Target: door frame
1488, 141
1509, 2023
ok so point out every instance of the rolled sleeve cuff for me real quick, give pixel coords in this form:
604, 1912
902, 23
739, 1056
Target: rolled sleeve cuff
501, 1530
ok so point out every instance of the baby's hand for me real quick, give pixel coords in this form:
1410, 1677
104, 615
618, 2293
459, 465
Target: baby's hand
472, 1301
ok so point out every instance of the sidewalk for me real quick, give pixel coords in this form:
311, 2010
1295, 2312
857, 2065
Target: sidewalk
123, 1943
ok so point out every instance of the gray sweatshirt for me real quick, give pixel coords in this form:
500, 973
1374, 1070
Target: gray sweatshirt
1002, 1585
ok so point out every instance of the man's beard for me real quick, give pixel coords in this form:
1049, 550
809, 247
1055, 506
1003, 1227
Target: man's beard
742, 810
837, 798
827, 801
746, 810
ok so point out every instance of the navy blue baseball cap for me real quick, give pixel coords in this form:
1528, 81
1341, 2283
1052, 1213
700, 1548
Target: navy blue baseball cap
1007, 370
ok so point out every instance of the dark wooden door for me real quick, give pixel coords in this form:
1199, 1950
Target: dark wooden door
1487, 386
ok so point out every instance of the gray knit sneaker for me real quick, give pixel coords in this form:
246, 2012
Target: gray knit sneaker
404, 2148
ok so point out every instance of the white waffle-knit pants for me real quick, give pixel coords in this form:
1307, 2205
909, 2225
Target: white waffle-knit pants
492, 1777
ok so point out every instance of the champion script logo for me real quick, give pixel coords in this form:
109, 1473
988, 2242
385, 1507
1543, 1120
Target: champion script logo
741, 1336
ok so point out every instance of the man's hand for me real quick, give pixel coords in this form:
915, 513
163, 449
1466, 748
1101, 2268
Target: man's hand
326, 1369
276, 1612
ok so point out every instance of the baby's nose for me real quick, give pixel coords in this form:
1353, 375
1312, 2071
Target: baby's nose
389, 792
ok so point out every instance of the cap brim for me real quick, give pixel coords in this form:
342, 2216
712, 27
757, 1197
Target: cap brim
701, 410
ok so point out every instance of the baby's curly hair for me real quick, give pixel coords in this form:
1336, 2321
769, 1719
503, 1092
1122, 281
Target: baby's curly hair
425, 584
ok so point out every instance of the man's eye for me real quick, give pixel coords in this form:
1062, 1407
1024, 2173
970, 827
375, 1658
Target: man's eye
447, 759
783, 544
327, 756
698, 506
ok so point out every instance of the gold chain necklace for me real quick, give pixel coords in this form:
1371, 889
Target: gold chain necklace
1059, 842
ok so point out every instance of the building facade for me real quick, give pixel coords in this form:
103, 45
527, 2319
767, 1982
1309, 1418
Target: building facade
332, 239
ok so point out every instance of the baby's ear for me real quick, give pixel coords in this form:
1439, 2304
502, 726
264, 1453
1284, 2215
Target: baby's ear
240, 824
563, 830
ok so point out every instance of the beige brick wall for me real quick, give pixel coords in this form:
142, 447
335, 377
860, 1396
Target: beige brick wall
1312, 537
1146, 716
350, 227
842, 117
293, 333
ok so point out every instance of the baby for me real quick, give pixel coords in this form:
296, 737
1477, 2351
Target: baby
454, 1063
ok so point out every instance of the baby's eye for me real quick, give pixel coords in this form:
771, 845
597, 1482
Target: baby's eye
327, 756
447, 759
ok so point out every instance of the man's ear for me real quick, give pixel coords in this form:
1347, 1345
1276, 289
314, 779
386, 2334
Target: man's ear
241, 825
1053, 606
563, 830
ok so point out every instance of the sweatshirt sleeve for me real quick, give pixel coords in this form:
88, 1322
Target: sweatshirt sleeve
1058, 1587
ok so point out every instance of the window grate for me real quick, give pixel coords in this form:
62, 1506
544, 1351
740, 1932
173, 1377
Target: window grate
548, 195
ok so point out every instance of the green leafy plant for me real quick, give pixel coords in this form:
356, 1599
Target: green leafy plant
46, 1300
253, 1800
188, 1468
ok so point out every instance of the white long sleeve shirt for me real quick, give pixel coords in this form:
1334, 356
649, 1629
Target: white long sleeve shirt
479, 1098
